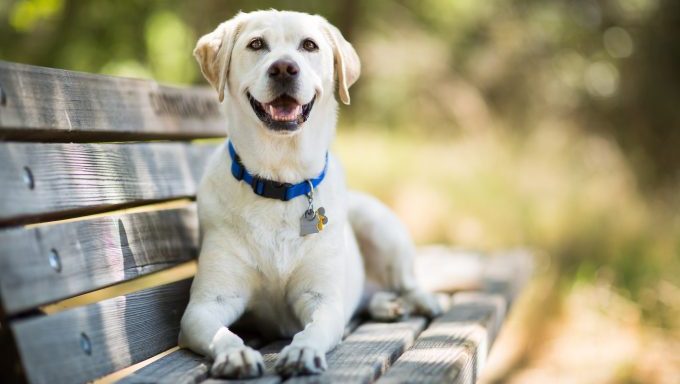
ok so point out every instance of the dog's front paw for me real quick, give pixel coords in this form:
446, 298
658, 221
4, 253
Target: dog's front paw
295, 361
425, 303
387, 306
238, 363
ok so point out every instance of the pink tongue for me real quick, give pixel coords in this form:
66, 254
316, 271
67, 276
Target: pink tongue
284, 112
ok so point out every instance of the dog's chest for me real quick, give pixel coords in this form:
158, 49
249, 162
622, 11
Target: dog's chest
277, 249
271, 234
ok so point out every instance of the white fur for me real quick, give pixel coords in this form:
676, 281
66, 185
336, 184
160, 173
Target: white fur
253, 259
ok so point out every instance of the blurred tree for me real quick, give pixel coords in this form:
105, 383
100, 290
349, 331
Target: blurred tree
646, 117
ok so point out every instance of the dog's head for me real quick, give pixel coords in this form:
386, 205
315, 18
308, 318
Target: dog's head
278, 64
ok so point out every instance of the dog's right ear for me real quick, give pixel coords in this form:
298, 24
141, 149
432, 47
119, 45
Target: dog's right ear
213, 52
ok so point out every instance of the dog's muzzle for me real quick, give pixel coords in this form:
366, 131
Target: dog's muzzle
284, 113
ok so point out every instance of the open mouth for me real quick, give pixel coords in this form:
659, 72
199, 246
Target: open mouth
283, 113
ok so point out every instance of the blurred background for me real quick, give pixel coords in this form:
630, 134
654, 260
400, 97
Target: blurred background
552, 125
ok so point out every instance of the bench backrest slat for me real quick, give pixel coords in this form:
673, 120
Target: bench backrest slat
42, 181
85, 343
76, 144
47, 104
48, 263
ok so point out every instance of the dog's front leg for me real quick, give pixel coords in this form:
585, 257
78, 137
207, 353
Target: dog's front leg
316, 300
217, 301
204, 331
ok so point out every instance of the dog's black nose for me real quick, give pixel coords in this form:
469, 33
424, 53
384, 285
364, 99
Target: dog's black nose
283, 69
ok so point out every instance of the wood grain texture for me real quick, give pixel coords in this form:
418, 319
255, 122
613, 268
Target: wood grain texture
84, 343
273, 379
44, 264
453, 349
367, 353
53, 104
185, 366
72, 179
362, 357
179, 367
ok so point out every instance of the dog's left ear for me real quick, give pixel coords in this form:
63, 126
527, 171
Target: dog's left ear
213, 53
347, 64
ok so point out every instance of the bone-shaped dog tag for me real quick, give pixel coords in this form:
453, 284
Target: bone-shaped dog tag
308, 223
321, 219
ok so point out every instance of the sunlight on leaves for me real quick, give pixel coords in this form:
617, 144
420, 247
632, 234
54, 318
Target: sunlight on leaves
170, 43
26, 13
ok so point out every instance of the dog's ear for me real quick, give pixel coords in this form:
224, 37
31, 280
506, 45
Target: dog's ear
213, 52
347, 64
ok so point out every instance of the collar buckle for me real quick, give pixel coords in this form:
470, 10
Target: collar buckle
270, 189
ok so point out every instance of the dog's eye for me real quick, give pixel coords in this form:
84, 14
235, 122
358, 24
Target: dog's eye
309, 45
256, 44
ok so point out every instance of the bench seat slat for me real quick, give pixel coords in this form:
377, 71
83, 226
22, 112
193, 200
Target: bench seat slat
60, 180
185, 366
368, 352
454, 348
54, 104
117, 333
179, 367
362, 357
44, 264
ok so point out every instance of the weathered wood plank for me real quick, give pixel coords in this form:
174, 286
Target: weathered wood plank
84, 343
270, 354
179, 367
184, 366
42, 181
268, 379
362, 357
366, 353
44, 264
52, 104
453, 349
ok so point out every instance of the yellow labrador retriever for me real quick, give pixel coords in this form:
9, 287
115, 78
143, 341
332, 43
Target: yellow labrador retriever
283, 241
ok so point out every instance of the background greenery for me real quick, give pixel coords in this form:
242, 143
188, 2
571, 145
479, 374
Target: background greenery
485, 124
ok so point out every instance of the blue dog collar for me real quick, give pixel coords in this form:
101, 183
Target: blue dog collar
269, 188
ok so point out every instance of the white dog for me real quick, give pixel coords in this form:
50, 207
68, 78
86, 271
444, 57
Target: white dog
260, 201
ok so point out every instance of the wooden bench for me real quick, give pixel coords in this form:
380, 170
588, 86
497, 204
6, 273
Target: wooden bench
99, 238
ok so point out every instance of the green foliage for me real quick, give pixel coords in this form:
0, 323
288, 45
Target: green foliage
26, 13
169, 42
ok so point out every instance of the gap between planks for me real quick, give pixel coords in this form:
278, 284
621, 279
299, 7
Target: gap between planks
102, 137
78, 214
160, 206
118, 375
170, 275
71, 180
